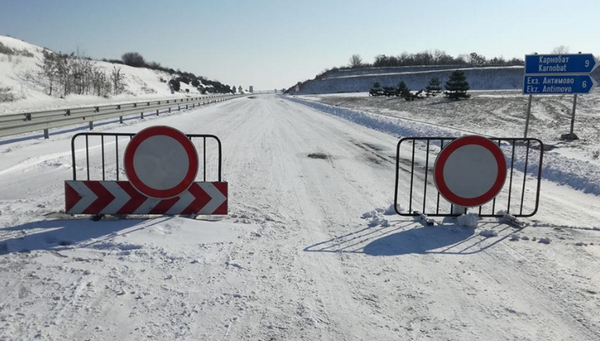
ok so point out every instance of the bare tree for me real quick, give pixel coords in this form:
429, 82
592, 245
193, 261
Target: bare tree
82, 71
49, 70
101, 85
475, 59
64, 64
562, 49
356, 61
76, 73
117, 79
438, 56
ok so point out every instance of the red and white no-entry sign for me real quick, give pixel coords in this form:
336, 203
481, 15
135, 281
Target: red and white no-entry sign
470, 171
161, 162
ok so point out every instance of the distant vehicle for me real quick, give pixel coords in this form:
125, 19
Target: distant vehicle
410, 96
432, 93
390, 91
375, 92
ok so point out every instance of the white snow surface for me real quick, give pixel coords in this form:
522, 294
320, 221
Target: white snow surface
20, 75
575, 164
468, 220
294, 260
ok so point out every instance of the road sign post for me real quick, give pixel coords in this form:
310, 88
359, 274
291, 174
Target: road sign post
556, 74
571, 133
528, 115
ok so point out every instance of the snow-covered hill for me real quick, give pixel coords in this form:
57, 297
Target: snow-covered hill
416, 77
22, 87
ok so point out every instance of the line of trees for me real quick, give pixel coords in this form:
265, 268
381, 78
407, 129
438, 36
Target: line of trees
456, 88
436, 57
425, 58
64, 74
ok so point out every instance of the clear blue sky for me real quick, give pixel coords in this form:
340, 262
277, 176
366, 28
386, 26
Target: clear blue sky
273, 44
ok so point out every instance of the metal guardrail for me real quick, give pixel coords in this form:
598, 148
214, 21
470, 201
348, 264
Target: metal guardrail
27, 122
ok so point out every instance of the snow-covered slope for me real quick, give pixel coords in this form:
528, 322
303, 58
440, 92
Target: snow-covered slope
21, 87
507, 77
416, 77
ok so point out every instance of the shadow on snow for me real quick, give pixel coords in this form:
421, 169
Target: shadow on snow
408, 237
57, 235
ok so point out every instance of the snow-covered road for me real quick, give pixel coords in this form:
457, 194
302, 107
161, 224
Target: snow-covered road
294, 260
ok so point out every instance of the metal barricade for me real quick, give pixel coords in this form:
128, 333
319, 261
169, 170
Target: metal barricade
415, 192
120, 140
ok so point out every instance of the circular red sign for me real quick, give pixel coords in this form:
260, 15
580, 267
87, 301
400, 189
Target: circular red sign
467, 165
161, 162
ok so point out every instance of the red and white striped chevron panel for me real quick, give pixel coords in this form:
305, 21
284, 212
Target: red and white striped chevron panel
119, 197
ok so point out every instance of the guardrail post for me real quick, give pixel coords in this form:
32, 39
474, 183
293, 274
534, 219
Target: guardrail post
142, 115
120, 119
169, 110
91, 125
186, 107
157, 112
46, 134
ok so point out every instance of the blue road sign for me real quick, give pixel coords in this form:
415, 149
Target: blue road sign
553, 85
559, 63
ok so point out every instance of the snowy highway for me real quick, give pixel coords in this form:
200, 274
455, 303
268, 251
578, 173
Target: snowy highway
294, 260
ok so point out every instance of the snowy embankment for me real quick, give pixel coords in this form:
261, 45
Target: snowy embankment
576, 173
22, 88
480, 78
417, 77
